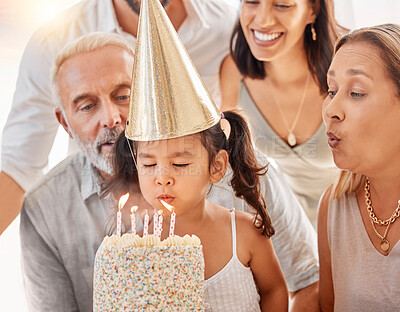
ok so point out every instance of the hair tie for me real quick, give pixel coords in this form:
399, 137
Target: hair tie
225, 126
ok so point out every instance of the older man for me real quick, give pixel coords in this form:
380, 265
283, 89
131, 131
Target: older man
63, 219
30, 129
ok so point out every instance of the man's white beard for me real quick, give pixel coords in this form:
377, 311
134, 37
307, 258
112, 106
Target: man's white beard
93, 150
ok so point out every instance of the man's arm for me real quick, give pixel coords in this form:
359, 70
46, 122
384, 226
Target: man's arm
29, 131
229, 80
11, 195
305, 299
47, 285
31, 125
295, 242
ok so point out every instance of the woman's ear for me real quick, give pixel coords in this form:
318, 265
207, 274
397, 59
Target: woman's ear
315, 11
219, 166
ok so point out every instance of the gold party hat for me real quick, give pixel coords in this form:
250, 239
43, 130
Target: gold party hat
168, 98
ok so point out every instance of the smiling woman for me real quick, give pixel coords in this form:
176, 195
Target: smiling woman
280, 52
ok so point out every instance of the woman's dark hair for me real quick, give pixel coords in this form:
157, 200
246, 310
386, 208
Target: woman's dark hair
319, 52
246, 170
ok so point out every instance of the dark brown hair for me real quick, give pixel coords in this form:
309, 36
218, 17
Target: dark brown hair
246, 170
319, 52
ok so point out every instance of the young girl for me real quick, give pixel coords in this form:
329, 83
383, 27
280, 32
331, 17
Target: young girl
241, 270
176, 149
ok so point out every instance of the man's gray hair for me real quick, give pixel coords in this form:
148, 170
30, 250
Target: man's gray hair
86, 43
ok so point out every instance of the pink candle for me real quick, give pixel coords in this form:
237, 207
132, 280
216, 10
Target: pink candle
119, 223
146, 224
172, 224
155, 220
133, 219
123, 199
160, 222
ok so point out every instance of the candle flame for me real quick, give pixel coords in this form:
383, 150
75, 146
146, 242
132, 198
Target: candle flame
160, 212
168, 206
122, 201
134, 209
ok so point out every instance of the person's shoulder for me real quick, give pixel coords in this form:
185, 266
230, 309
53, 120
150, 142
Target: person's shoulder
64, 26
246, 227
273, 175
66, 172
212, 9
230, 80
233, 5
323, 207
262, 159
324, 201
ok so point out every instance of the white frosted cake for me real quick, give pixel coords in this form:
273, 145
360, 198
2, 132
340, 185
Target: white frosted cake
134, 273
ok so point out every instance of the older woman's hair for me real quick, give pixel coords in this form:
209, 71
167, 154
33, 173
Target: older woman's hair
84, 44
386, 38
319, 52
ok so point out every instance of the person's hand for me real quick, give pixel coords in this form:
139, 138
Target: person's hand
11, 195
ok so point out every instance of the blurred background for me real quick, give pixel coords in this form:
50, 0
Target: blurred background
18, 20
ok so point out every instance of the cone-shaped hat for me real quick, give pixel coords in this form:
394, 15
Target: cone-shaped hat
168, 98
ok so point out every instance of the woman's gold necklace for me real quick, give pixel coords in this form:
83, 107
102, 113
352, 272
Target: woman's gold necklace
396, 213
291, 139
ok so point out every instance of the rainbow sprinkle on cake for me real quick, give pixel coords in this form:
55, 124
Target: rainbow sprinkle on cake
134, 273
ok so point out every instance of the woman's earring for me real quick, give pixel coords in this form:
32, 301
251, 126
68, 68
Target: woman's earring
313, 32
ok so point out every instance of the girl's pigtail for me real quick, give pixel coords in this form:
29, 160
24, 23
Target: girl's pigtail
124, 179
125, 171
246, 170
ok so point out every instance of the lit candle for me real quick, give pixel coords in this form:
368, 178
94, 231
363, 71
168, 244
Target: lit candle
172, 227
172, 223
160, 221
122, 201
133, 220
155, 220
119, 222
146, 224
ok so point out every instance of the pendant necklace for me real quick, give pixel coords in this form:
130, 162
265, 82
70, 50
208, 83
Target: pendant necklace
291, 139
396, 213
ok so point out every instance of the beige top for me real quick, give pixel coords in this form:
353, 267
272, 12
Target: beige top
363, 279
308, 168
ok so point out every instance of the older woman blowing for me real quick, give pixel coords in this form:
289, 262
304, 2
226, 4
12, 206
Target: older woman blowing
358, 218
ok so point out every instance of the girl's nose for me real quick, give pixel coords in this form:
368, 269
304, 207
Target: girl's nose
164, 178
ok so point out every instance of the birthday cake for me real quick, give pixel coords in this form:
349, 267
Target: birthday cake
134, 273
